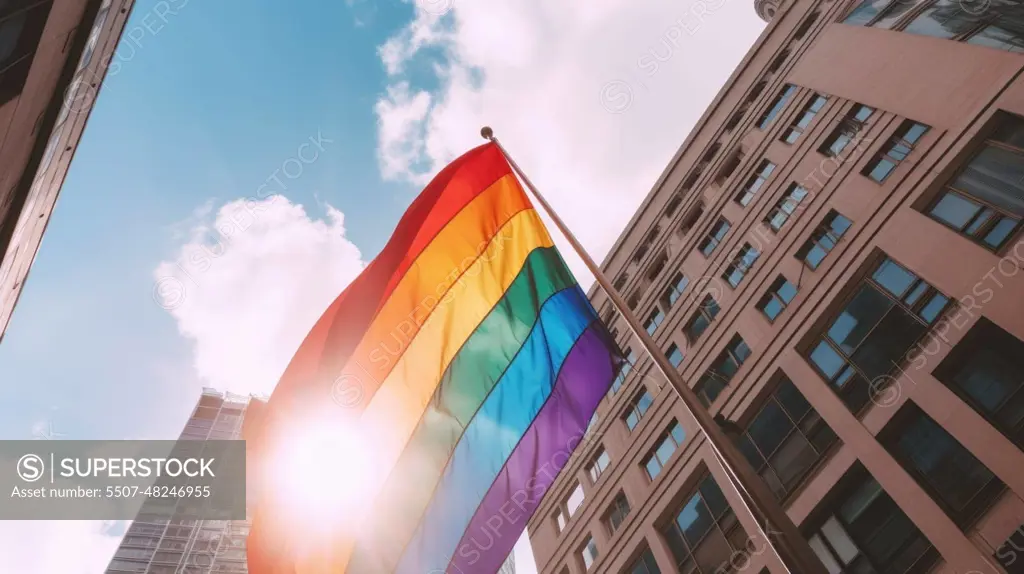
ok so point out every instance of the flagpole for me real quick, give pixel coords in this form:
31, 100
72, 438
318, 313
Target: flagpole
791, 548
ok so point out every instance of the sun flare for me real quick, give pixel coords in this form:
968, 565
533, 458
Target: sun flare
321, 474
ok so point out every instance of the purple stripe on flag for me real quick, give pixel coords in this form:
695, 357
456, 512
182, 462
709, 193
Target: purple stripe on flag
545, 448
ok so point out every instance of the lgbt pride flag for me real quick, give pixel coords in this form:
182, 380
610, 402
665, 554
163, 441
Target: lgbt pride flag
467, 362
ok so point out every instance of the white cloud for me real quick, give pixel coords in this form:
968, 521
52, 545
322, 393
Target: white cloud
249, 283
591, 98
65, 547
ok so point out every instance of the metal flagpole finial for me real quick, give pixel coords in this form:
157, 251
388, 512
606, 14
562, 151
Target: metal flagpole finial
487, 133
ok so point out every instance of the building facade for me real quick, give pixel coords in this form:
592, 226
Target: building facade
832, 261
156, 544
54, 55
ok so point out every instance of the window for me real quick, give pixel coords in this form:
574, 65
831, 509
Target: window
589, 553
861, 529
706, 313
21, 29
786, 439
777, 104
704, 533
879, 13
943, 19
779, 295
895, 151
636, 409
624, 370
675, 356
598, 465
568, 507
823, 240
645, 564
740, 265
847, 131
617, 514
654, 320
793, 132
871, 336
670, 440
722, 371
957, 480
995, 25
675, 290
714, 237
1004, 35
985, 202
691, 219
786, 206
986, 369
755, 182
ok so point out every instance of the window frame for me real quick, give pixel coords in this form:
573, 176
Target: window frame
806, 117
985, 335
824, 230
674, 349
755, 183
773, 295
669, 434
633, 407
594, 468
714, 237
898, 139
980, 502
675, 289
998, 213
779, 209
854, 481
714, 372
778, 103
654, 320
725, 522
740, 265
849, 372
589, 545
707, 310
796, 427
850, 127
619, 507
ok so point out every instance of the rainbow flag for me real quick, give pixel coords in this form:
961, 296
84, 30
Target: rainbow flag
468, 360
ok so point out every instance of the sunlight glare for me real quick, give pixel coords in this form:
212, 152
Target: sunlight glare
321, 474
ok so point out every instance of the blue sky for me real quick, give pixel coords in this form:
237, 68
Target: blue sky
195, 114
203, 109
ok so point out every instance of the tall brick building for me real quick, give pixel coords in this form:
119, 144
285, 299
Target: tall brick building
832, 260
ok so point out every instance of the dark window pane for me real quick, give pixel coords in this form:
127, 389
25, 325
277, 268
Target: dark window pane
944, 20
859, 317
769, 427
792, 400
994, 36
694, 521
714, 498
951, 470
888, 344
712, 552
995, 175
